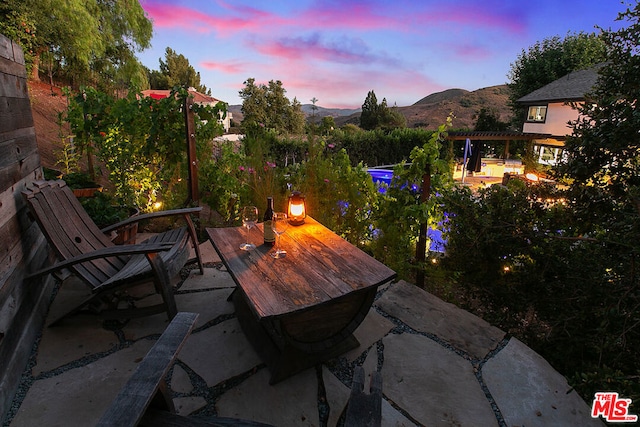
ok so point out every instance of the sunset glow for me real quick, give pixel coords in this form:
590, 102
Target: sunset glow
338, 51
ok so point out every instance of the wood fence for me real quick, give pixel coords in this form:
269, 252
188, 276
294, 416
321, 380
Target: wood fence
22, 245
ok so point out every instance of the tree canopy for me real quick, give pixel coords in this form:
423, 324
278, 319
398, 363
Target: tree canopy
267, 106
379, 116
603, 152
549, 60
81, 41
176, 71
603, 169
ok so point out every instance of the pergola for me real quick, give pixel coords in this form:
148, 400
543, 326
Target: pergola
473, 139
508, 136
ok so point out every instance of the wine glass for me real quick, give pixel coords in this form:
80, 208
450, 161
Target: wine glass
279, 225
249, 219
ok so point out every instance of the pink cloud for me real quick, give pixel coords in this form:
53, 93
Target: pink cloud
167, 15
225, 67
409, 16
338, 87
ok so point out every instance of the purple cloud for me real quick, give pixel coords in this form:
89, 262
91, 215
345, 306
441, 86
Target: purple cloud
345, 50
469, 14
469, 52
355, 15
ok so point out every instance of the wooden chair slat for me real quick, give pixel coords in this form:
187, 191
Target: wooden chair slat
145, 399
364, 410
71, 233
129, 406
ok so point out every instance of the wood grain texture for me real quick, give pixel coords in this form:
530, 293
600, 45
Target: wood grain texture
105, 267
320, 266
137, 394
302, 309
22, 307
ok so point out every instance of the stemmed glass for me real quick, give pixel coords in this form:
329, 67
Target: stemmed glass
279, 225
249, 219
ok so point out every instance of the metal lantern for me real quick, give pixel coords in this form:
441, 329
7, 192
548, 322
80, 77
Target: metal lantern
297, 210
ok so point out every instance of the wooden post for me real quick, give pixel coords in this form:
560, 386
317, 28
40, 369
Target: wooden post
421, 247
191, 150
506, 149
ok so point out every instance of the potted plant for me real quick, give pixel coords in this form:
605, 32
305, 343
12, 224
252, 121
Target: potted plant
104, 212
51, 174
81, 184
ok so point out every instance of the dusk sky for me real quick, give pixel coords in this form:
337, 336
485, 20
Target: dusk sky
337, 51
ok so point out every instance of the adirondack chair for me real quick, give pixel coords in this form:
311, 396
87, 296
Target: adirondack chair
145, 400
105, 267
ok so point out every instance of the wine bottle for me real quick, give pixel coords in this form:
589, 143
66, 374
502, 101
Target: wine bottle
269, 235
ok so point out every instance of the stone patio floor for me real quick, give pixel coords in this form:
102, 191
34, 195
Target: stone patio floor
441, 366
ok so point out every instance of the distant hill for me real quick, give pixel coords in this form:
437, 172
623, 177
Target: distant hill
307, 109
320, 112
432, 110
429, 112
445, 95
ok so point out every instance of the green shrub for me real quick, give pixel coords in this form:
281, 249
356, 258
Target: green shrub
522, 265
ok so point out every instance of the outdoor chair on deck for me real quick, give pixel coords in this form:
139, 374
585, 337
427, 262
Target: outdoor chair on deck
105, 267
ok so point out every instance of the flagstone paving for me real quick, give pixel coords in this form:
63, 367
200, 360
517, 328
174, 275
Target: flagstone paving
441, 366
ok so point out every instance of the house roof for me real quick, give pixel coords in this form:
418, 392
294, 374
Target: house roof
197, 96
572, 87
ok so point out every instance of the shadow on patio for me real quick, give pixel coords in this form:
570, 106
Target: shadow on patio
440, 365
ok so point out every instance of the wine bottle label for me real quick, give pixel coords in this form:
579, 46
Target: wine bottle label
269, 235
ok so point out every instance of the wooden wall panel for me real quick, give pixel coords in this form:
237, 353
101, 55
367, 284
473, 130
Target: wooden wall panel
22, 245
13, 86
15, 113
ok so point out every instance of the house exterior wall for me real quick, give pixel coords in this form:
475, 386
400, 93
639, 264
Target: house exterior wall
556, 123
226, 121
23, 248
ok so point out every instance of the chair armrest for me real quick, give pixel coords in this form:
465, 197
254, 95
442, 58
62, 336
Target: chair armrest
364, 409
104, 253
159, 214
139, 393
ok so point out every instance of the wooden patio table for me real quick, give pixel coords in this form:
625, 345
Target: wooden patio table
299, 310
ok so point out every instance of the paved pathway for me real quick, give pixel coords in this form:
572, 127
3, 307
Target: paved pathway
441, 366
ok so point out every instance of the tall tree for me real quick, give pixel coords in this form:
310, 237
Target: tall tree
296, 118
488, 118
314, 109
174, 71
380, 116
267, 106
549, 60
369, 115
390, 117
604, 150
603, 162
87, 41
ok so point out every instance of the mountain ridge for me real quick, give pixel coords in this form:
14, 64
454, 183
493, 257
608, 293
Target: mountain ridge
428, 112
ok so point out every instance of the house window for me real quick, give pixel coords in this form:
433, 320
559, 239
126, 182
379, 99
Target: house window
537, 113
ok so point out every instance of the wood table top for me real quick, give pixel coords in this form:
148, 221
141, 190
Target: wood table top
319, 267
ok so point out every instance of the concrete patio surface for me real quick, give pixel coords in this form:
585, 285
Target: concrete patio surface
441, 366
